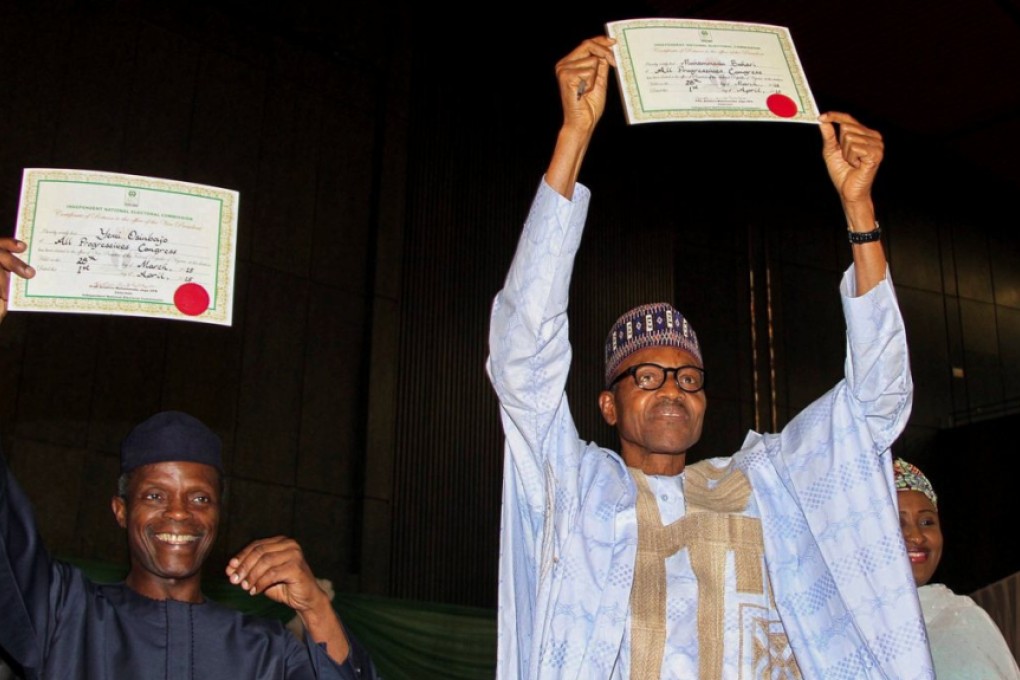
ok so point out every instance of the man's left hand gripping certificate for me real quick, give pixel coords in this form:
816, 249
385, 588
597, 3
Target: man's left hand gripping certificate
106, 243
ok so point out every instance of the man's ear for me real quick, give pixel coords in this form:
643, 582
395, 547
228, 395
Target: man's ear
607, 404
119, 508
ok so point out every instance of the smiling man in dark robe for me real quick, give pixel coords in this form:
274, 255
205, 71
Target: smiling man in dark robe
56, 623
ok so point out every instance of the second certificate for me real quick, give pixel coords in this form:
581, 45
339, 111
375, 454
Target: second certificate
680, 69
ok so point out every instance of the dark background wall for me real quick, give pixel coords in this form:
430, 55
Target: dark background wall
197, 92
385, 165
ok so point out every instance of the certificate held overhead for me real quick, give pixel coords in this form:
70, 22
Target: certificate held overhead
687, 70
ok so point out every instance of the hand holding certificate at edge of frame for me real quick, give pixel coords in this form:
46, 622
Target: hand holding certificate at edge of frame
94, 242
10, 263
701, 70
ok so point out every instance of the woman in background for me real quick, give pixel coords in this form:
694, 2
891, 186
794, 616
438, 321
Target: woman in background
965, 642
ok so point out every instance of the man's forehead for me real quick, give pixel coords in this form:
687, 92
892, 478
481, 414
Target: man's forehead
664, 356
176, 470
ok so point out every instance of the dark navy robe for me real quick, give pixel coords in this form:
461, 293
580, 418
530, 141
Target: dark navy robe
56, 623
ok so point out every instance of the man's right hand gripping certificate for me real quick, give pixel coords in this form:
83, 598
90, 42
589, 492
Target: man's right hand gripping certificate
689, 69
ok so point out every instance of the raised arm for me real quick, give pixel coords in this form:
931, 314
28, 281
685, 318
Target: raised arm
583, 77
276, 567
875, 398
852, 155
26, 577
529, 346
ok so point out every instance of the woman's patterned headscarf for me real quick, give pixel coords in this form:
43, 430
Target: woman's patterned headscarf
910, 478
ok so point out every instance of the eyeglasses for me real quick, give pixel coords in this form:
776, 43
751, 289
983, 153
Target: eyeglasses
653, 376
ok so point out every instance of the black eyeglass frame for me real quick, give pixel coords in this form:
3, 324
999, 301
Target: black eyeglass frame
666, 370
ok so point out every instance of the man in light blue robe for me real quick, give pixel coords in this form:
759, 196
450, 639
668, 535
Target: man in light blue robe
781, 561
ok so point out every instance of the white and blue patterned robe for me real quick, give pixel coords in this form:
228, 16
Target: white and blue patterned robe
834, 560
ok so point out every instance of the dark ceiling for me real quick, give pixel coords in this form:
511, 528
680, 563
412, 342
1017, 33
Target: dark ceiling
946, 71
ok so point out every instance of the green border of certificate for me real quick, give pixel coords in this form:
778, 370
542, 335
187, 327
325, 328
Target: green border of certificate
689, 70
110, 243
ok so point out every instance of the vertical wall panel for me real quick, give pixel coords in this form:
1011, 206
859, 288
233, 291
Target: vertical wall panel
129, 373
924, 315
1005, 257
100, 65
285, 197
271, 376
157, 127
228, 114
444, 550
983, 370
1008, 325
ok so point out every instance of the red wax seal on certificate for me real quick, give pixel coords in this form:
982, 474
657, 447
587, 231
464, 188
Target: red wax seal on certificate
781, 105
192, 299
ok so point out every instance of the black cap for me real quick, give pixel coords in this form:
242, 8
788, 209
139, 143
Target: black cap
170, 436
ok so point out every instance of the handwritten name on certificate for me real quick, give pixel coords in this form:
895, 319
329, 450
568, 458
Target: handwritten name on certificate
684, 70
105, 243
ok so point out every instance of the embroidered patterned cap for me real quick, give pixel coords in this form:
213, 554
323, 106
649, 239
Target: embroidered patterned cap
658, 324
170, 436
909, 477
